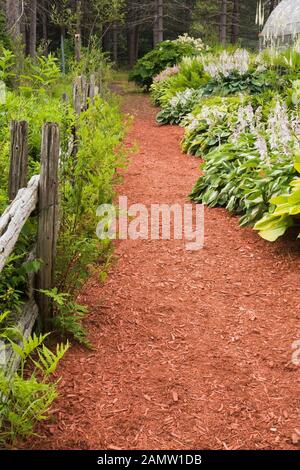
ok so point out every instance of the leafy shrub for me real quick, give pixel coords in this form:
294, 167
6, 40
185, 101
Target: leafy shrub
255, 164
241, 112
165, 54
93, 61
40, 74
86, 178
7, 61
87, 182
191, 75
37, 109
68, 316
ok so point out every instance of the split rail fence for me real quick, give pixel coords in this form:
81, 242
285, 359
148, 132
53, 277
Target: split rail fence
40, 198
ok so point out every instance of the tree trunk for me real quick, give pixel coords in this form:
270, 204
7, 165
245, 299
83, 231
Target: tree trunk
155, 24
235, 27
133, 35
160, 21
13, 17
78, 17
45, 25
223, 22
115, 42
62, 46
158, 25
33, 18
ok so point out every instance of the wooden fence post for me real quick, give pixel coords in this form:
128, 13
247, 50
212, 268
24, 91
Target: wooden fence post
48, 217
18, 171
80, 94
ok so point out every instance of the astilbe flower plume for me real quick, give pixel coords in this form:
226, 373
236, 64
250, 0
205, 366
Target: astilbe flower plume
168, 72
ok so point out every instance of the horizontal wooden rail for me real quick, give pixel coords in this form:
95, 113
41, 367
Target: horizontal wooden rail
15, 217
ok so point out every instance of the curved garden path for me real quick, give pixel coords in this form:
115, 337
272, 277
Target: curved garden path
191, 349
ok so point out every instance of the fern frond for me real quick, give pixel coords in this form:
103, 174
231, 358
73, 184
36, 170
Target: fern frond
50, 360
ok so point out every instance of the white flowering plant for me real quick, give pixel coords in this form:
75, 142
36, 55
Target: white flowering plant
226, 63
197, 43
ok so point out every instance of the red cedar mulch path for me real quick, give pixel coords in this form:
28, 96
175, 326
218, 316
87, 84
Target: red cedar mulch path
192, 349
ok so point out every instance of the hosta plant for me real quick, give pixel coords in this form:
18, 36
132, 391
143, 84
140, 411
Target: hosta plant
235, 177
179, 106
287, 212
208, 125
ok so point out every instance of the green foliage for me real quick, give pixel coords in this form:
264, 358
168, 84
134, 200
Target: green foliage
7, 62
287, 209
164, 55
38, 109
27, 396
40, 74
87, 183
93, 61
190, 75
245, 122
68, 316
14, 276
236, 178
249, 83
161, 92
207, 127
179, 106
86, 180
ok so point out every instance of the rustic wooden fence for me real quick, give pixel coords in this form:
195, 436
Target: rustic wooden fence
38, 197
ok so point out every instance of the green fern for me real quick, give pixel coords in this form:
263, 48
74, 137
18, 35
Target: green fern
48, 360
26, 400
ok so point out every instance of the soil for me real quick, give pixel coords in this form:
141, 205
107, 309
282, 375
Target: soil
192, 349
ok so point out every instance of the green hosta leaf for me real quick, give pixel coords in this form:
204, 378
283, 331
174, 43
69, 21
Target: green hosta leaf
297, 167
295, 210
272, 227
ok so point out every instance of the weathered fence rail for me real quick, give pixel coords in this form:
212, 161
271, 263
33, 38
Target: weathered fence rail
15, 217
